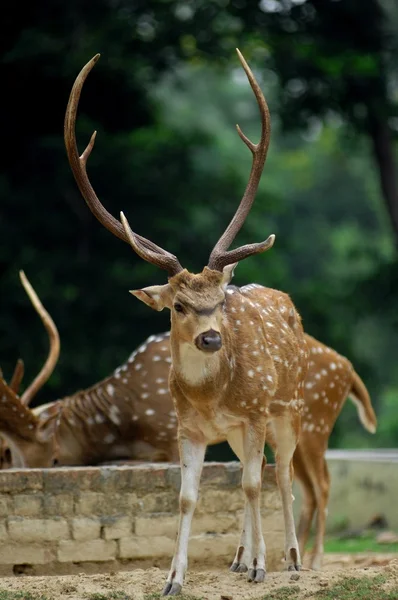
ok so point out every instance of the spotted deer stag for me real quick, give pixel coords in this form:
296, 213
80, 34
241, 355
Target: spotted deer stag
239, 357
129, 416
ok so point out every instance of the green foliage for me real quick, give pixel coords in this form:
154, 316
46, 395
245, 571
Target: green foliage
283, 593
353, 588
21, 595
365, 543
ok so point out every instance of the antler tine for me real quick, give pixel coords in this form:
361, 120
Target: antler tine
53, 335
78, 165
219, 256
17, 376
166, 261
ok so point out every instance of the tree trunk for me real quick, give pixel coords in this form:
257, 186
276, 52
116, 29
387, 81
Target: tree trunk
383, 152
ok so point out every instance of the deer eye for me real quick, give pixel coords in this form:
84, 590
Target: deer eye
178, 307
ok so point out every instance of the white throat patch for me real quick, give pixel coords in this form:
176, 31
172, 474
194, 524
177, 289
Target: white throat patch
196, 366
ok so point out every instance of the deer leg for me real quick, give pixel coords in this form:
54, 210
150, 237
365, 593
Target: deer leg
253, 458
308, 503
192, 455
286, 430
321, 487
243, 552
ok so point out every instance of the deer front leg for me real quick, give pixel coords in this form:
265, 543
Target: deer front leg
248, 444
244, 550
192, 454
251, 482
286, 429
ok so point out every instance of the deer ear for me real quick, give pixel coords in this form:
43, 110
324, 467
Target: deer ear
156, 296
227, 274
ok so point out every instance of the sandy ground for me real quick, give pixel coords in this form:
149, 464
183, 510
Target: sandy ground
209, 584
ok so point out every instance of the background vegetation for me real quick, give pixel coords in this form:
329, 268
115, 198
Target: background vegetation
165, 98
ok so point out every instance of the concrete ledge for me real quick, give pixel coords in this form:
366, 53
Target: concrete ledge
119, 516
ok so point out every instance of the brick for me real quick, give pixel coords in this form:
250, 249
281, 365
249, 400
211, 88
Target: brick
70, 480
215, 501
149, 477
5, 504
221, 474
84, 528
32, 554
269, 478
117, 527
58, 505
157, 525
37, 530
146, 547
91, 550
21, 480
97, 503
271, 499
158, 502
272, 521
108, 479
28, 505
166, 525
174, 477
204, 547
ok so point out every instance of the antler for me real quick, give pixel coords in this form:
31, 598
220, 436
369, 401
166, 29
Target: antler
220, 257
17, 376
53, 335
144, 248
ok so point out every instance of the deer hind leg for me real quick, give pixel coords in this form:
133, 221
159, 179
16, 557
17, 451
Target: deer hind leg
286, 431
192, 456
321, 485
308, 503
250, 555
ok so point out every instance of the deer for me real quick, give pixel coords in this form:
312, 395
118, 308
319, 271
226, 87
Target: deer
106, 421
142, 383
239, 357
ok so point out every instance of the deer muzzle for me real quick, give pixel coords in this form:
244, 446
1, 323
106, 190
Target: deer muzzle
209, 341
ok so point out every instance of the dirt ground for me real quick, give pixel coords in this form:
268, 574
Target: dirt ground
210, 584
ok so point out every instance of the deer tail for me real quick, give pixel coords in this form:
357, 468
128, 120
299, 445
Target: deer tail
359, 395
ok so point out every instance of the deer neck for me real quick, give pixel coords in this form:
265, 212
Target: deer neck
197, 369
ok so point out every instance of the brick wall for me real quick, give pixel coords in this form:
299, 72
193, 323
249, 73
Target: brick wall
52, 520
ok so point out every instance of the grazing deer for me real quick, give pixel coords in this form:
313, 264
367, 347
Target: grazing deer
110, 420
239, 358
141, 384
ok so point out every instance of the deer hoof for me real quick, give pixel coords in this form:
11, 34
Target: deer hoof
295, 561
238, 567
256, 575
172, 589
260, 576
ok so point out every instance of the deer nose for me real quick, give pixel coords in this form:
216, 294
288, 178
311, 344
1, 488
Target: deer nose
209, 341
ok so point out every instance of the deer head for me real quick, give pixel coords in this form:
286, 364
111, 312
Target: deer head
195, 300
18, 431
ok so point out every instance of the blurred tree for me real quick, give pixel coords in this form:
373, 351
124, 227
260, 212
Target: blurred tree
168, 155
